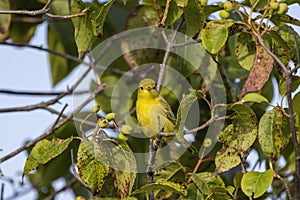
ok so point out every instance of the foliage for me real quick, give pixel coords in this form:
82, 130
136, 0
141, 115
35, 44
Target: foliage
249, 54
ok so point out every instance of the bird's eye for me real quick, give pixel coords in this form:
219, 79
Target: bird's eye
154, 87
141, 88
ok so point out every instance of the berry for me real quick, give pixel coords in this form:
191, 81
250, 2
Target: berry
224, 14
126, 129
203, 2
110, 116
123, 137
228, 6
283, 8
274, 5
96, 108
103, 123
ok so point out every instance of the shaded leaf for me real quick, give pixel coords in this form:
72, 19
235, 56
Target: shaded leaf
125, 168
174, 13
274, 133
279, 18
135, 53
206, 181
215, 34
245, 50
165, 185
256, 183
260, 71
93, 165
194, 16
60, 40
44, 151
282, 85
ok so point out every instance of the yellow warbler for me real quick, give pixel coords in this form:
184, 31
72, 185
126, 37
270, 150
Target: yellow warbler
149, 106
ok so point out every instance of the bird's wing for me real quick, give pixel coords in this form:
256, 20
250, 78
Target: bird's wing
168, 110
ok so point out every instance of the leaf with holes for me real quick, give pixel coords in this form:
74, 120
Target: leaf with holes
260, 72
274, 133
44, 151
93, 164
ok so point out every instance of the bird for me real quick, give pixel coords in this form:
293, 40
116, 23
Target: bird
151, 107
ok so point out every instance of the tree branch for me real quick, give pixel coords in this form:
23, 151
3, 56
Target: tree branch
167, 54
39, 93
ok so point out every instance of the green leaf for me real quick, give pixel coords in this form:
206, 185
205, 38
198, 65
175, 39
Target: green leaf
274, 133
255, 97
98, 16
282, 85
206, 182
93, 164
174, 13
4, 20
257, 183
22, 31
194, 16
164, 185
291, 38
89, 26
60, 40
182, 114
237, 137
284, 18
125, 168
256, 4
171, 171
245, 50
193, 192
141, 16
215, 35
44, 151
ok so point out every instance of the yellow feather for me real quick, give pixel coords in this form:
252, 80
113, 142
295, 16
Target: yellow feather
149, 106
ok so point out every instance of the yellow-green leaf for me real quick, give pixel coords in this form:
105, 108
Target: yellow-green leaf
274, 133
44, 151
245, 50
93, 164
4, 20
255, 97
256, 183
215, 34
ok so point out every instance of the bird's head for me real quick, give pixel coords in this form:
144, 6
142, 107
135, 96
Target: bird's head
147, 89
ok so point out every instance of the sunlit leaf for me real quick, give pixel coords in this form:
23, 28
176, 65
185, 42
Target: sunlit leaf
256, 183
245, 50
255, 97
294, 86
44, 151
215, 34
93, 164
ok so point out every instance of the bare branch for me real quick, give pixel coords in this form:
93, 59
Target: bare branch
40, 93
167, 54
68, 185
67, 56
65, 16
44, 10
52, 129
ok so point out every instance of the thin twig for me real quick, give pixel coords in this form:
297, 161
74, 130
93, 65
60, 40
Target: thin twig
167, 54
51, 130
40, 93
44, 10
287, 189
2, 191
67, 56
65, 16
67, 185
